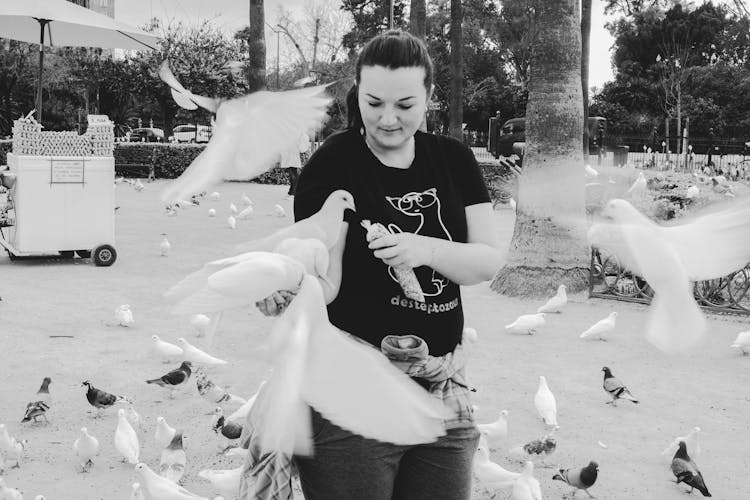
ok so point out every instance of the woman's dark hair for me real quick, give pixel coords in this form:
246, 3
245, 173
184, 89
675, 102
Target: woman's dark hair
393, 49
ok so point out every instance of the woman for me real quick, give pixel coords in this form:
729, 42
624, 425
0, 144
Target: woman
429, 192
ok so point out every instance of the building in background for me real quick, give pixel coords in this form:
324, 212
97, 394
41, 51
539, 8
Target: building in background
106, 7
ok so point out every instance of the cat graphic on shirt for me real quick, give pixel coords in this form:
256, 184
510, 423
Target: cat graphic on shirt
425, 206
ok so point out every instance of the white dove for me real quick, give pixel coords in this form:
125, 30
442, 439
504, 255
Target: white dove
310, 357
691, 441
707, 246
279, 211
245, 199
237, 452
124, 316
86, 447
5, 440
249, 133
232, 222
126, 440
165, 350
137, 492
598, 329
491, 475
233, 208
164, 433
227, 482
212, 212
173, 459
638, 186
513, 204
556, 303
195, 355
527, 486
138, 185
545, 403
16, 450
469, 335
591, 171
200, 323
527, 323
495, 432
134, 418
8, 493
742, 342
310, 252
246, 213
240, 414
692, 191
324, 225
165, 246
215, 196
161, 488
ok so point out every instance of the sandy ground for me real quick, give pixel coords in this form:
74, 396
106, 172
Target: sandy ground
42, 298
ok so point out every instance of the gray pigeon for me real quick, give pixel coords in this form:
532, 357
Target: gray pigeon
581, 479
615, 388
685, 470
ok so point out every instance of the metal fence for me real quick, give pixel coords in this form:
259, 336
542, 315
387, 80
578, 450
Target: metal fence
734, 165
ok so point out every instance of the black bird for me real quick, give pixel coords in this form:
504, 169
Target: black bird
101, 399
35, 410
175, 378
685, 470
581, 479
615, 388
229, 429
43, 393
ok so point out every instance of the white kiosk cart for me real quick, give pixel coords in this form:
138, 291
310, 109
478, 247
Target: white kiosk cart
59, 205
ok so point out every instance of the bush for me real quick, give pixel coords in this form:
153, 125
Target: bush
6, 146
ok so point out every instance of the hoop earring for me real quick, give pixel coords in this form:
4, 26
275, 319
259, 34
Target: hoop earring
362, 131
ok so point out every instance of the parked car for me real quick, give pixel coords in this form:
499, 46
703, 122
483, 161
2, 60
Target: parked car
187, 133
147, 135
514, 131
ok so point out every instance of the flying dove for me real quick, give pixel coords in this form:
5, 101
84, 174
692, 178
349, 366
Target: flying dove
526, 487
195, 355
527, 323
165, 350
173, 459
580, 479
615, 388
126, 440
495, 432
249, 133
86, 447
598, 329
685, 470
310, 252
545, 403
161, 488
556, 303
742, 342
164, 433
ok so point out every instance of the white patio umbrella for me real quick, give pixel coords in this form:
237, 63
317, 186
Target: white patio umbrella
59, 23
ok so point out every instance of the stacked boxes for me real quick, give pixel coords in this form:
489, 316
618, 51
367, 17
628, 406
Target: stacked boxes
28, 139
101, 138
25, 136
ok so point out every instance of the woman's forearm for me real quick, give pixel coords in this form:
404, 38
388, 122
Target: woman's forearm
465, 263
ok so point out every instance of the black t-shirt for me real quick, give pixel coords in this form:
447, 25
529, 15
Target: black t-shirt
428, 198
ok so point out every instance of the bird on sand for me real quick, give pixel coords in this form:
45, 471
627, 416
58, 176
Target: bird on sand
580, 479
175, 378
684, 469
615, 388
555, 303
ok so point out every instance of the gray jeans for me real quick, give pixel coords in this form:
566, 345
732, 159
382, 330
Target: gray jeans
347, 466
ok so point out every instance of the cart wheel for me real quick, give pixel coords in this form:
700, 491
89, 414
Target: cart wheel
67, 254
84, 254
11, 255
104, 255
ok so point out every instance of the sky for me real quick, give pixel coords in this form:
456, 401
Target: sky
233, 14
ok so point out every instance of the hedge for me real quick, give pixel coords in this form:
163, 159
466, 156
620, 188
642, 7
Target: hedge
6, 146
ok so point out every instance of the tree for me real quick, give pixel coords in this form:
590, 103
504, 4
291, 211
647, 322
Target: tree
585, 58
630, 7
455, 106
256, 42
418, 18
517, 28
16, 82
545, 252
370, 18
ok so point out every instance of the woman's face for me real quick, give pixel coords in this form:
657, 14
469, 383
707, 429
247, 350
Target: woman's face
392, 103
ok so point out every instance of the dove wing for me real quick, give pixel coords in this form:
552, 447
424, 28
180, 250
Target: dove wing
182, 96
306, 228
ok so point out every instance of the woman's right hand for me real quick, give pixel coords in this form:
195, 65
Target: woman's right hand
276, 303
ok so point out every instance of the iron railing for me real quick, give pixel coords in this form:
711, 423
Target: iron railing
609, 280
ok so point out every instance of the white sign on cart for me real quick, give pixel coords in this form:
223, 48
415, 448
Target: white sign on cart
66, 172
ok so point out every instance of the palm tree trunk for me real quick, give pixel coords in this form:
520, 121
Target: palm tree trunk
455, 106
585, 59
256, 75
418, 18
548, 246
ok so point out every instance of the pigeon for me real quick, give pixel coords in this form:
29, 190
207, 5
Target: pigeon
212, 212
16, 450
43, 393
241, 413
86, 447
101, 399
167, 351
598, 329
124, 316
526, 487
165, 246
742, 342
279, 211
311, 253
495, 432
173, 459
685, 470
200, 323
591, 171
164, 433
227, 482
8, 493
232, 222
161, 488
721, 186
692, 445
233, 209
175, 378
136, 492
249, 133
692, 192
639, 186
556, 303
545, 447
324, 225
527, 323
215, 196
213, 393
469, 336
491, 475
545, 403
126, 440
195, 355
246, 213
35, 410
580, 479
245, 199
615, 388
227, 428
707, 246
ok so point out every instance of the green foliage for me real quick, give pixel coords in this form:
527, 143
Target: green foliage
6, 146
370, 18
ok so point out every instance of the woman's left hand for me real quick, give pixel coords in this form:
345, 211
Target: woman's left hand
403, 249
